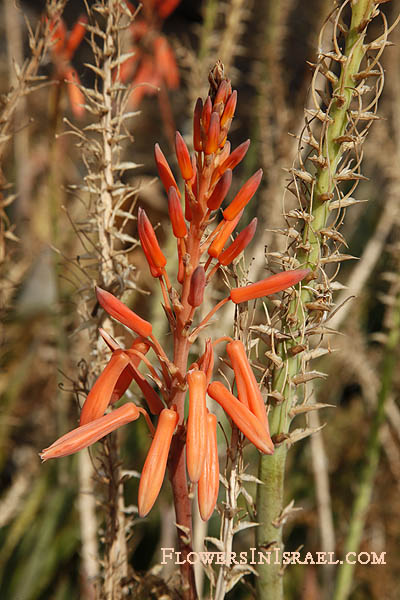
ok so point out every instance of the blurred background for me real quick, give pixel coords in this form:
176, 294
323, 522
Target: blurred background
265, 46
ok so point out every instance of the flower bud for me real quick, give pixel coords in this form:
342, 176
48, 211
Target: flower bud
164, 170
119, 311
235, 157
270, 285
206, 115
183, 156
175, 214
222, 93
208, 486
88, 434
223, 235
156, 461
211, 144
229, 108
198, 109
243, 196
248, 424
149, 240
197, 285
196, 425
220, 191
241, 242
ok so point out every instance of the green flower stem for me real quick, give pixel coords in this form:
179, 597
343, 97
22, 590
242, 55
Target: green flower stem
271, 470
363, 497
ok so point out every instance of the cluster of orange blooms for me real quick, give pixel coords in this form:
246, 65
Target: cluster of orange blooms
207, 175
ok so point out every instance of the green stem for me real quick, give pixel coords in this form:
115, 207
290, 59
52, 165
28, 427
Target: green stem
363, 498
272, 468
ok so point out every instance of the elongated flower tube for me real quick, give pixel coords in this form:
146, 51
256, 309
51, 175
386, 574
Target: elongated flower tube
149, 241
156, 461
197, 286
211, 144
235, 157
239, 244
243, 196
230, 108
164, 170
119, 311
183, 156
196, 425
198, 109
248, 423
205, 117
223, 235
221, 96
220, 191
248, 390
208, 486
270, 285
176, 214
101, 393
88, 434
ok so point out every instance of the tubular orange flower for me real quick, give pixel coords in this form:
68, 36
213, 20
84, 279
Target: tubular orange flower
100, 395
119, 311
149, 240
207, 491
221, 97
230, 108
211, 144
156, 461
196, 425
220, 191
270, 285
206, 115
219, 242
243, 196
175, 214
235, 157
183, 156
198, 110
164, 170
248, 390
88, 434
197, 286
248, 424
241, 242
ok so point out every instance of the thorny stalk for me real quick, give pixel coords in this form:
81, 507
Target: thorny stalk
344, 117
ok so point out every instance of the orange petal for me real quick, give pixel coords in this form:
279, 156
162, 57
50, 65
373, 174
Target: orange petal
208, 486
211, 142
164, 170
150, 395
196, 425
223, 235
229, 108
243, 196
220, 191
198, 109
206, 361
126, 377
119, 311
206, 115
239, 244
235, 157
100, 395
148, 240
156, 461
270, 285
176, 214
183, 156
88, 434
248, 424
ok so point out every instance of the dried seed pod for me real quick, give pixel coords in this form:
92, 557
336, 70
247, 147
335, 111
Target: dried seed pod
196, 424
220, 240
149, 241
220, 191
243, 196
197, 286
85, 435
164, 170
208, 486
248, 424
175, 214
270, 285
119, 311
183, 156
241, 242
156, 461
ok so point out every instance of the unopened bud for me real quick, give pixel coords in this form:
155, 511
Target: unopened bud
243, 196
164, 170
197, 285
241, 242
270, 285
175, 213
211, 144
220, 191
183, 156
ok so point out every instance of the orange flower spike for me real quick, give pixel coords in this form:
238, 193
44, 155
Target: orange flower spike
211, 144
198, 110
208, 486
149, 241
183, 156
248, 389
197, 286
206, 114
175, 214
243, 196
100, 395
230, 108
119, 311
196, 424
248, 423
164, 170
88, 434
219, 242
235, 157
241, 242
220, 191
270, 285
155, 464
